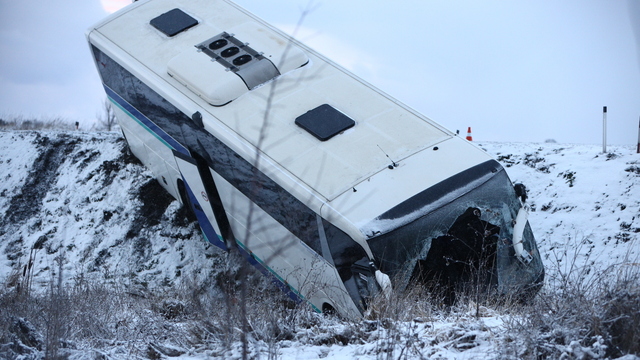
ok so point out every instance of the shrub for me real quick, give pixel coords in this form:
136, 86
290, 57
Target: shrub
20, 122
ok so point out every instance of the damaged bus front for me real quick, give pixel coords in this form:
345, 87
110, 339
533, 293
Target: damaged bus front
470, 228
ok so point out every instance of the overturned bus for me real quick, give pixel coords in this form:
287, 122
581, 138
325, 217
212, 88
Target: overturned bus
327, 184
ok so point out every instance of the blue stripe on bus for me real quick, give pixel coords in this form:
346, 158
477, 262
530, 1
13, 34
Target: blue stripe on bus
141, 119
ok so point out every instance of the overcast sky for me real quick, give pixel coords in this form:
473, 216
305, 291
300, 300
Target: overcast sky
526, 70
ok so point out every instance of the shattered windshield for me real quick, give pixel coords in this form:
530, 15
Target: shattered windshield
463, 225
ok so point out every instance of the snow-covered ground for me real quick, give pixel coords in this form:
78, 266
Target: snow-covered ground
79, 198
581, 199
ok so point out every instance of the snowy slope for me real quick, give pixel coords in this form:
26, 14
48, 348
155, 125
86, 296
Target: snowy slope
581, 200
81, 198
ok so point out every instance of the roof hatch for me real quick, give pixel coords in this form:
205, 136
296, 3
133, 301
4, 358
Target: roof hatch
324, 122
173, 22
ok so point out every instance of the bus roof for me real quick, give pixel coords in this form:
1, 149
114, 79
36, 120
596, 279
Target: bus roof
368, 132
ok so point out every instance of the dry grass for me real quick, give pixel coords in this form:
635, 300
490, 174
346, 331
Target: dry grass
583, 314
21, 122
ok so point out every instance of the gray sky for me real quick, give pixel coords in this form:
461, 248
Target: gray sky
526, 70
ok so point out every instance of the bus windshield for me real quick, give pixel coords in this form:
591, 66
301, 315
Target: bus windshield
457, 231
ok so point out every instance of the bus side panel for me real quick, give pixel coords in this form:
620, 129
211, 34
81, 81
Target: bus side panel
131, 129
153, 153
292, 262
160, 166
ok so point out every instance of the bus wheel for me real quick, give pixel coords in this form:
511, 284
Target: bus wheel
186, 202
327, 309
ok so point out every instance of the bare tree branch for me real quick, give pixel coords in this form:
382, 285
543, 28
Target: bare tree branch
107, 119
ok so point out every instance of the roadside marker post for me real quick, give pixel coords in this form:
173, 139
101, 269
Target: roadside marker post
638, 151
604, 129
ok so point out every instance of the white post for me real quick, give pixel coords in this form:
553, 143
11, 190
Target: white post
604, 129
638, 136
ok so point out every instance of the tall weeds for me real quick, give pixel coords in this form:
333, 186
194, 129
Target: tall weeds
582, 313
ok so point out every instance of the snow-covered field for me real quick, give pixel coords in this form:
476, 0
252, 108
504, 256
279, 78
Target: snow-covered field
75, 205
581, 199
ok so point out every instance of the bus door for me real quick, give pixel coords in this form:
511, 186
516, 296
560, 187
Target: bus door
198, 199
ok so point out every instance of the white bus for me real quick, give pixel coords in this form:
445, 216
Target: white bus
331, 186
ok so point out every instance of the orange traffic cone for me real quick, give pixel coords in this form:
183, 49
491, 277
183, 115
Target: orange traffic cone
469, 137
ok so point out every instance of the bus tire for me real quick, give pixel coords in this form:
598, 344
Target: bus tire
186, 202
328, 309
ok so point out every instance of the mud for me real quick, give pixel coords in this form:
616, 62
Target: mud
53, 151
155, 201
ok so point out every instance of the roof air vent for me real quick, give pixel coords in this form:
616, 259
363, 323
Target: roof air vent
324, 122
230, 52
218, 44
223, 67
236, 56
241, 60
